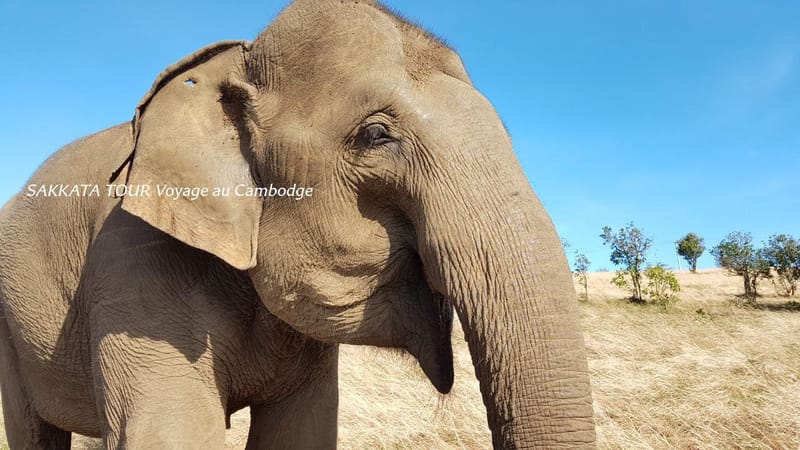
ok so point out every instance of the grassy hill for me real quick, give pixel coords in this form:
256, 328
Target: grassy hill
706, 374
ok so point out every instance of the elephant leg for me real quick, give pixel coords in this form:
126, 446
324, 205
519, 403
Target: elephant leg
304, 420
24, 428
152, 397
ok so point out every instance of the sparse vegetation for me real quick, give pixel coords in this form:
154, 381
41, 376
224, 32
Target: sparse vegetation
737, 254
690, 248
628, 250
782, 253
580, 269
703, 375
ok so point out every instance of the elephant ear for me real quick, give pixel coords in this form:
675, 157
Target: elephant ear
185, 137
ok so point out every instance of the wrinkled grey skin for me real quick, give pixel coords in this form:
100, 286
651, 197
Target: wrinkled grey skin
148, 321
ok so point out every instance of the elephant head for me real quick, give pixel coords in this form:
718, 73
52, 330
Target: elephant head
419, 205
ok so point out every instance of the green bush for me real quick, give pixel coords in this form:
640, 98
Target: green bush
581, 268
737, 254
628, 250
662, 286
782, 253
690, 248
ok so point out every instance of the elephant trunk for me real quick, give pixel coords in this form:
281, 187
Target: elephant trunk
488, 245
512, 290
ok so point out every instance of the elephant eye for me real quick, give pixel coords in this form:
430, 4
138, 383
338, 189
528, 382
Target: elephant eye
375, 135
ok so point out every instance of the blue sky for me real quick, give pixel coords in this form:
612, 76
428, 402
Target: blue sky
677, 115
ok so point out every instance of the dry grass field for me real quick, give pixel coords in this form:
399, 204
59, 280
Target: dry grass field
707, 374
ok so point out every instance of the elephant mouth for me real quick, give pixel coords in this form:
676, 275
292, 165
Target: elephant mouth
423, 322
421, 317
431, 342
397, 309
441, 373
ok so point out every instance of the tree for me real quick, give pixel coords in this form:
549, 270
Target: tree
737, 254
628, 250
581, 268
662, 286
690, 247
782, 253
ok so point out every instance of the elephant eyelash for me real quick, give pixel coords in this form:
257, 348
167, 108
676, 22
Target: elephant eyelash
375, 131
375, 135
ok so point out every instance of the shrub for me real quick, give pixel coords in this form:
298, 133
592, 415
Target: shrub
628, 250
662, 286
581, 268
737, 254
690, 248
782, 253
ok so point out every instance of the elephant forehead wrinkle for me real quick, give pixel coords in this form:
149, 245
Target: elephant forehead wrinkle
312, 42
340, 114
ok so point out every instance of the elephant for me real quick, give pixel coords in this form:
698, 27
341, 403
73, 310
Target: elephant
147, 319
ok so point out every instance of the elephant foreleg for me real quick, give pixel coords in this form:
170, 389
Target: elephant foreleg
304, 420
152, 398
24, 428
